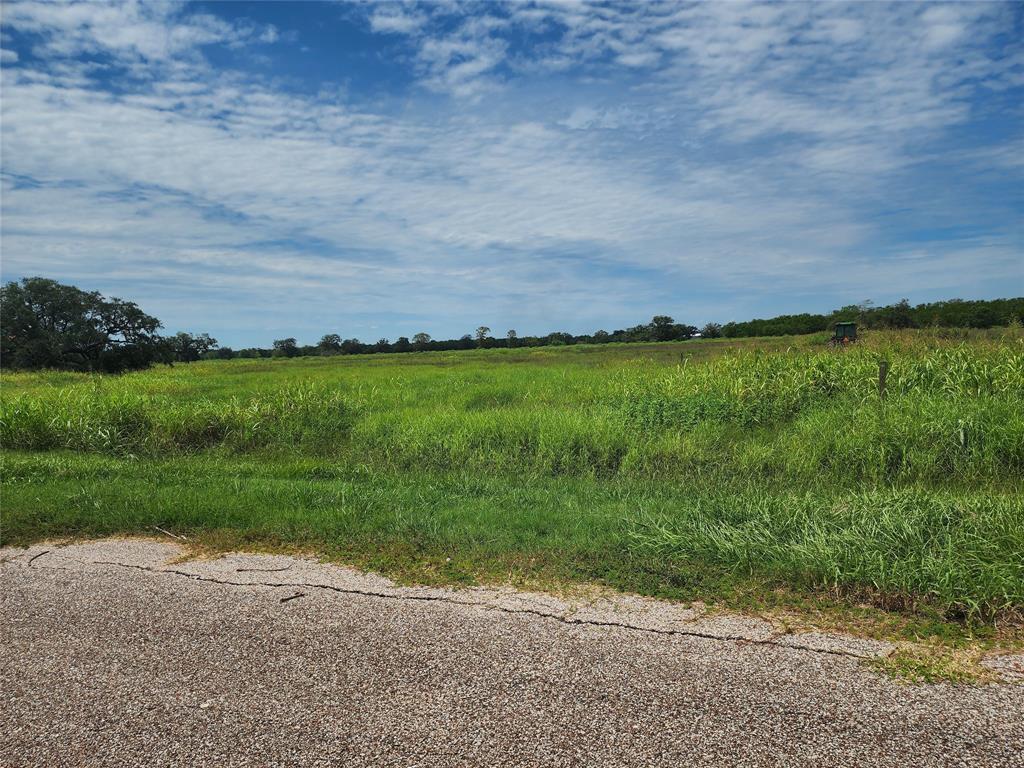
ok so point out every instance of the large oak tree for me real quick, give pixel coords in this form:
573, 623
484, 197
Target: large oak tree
44, 324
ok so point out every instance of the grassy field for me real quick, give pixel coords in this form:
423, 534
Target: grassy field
755, 471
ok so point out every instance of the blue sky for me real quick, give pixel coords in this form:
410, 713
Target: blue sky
259, 170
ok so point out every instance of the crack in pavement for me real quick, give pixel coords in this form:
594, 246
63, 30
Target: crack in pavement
262, 570
562, 618
37, 556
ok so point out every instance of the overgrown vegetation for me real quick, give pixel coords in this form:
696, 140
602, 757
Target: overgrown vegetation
698, 469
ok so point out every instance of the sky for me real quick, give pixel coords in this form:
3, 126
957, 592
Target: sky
263, 170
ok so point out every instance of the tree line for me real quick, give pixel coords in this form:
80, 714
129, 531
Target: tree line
954, 313
661, 328
45, 324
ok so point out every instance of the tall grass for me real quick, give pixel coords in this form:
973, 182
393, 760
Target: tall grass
118, 421
754, 389
950, 412
781, 462
965, 553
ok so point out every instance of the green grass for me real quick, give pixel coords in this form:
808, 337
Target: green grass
753, 472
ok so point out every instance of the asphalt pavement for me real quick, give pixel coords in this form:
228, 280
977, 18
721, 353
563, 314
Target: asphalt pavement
117, 653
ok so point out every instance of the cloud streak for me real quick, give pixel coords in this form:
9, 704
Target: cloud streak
553, 165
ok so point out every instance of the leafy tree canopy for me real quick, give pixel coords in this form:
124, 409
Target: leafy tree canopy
330, 343
188, 348
49, 325
286, 347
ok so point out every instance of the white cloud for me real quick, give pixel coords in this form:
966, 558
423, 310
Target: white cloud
838, 31
943, 25
581, 117
636, 151
152, 31
639, 59
392, 19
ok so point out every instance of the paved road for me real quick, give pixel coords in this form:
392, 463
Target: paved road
113, 655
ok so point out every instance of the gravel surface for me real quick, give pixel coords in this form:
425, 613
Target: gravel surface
113, 654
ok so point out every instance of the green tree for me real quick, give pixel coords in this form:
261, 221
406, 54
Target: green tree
711, 331
188, 348
481, 335
896, 316
330, 344
420, 341
50, 325
512, 337
662, 328
285, 347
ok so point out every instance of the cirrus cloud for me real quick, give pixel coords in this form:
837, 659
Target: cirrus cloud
544, 165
